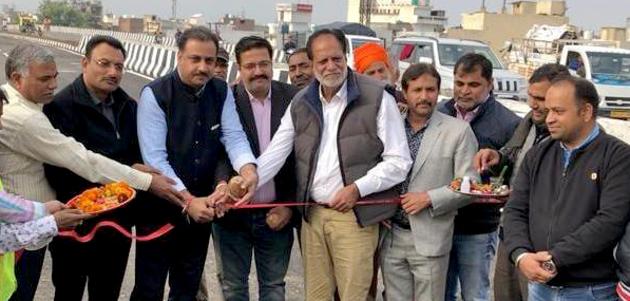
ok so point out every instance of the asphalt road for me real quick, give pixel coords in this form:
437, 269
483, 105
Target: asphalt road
69, 68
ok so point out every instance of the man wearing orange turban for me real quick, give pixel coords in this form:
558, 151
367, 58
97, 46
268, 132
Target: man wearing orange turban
372, 60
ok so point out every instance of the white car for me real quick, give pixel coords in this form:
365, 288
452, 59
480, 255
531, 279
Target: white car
443, 54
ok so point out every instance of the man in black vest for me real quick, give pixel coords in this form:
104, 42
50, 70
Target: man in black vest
261, 103
349, 143
476, 225
187, 121
96, 112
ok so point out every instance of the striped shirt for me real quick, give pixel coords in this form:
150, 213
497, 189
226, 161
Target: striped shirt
28, 140
14, 209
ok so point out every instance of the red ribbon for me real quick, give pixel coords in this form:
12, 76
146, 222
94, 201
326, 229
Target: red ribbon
168, 227
295, 204
623, 292
88, 237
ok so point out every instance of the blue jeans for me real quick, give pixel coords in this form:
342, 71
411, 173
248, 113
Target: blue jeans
235, 236
469, 266
598, 292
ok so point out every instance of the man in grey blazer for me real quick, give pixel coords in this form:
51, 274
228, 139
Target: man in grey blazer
415, 251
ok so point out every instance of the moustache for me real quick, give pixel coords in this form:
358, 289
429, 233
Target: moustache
204, 74
260, 77
424, 102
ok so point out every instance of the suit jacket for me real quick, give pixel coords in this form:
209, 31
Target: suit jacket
281, 96
447, 151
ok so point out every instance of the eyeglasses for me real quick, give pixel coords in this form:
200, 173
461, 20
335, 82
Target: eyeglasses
261, 65
105, 64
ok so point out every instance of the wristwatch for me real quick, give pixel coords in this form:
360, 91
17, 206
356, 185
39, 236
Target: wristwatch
549, 266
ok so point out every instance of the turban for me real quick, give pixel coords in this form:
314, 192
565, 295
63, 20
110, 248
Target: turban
368, 54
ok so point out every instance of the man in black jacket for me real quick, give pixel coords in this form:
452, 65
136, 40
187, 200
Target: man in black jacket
509, 284
95, 111
261, 103
475, 238
569, 203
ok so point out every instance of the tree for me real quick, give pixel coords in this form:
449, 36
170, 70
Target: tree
63, 13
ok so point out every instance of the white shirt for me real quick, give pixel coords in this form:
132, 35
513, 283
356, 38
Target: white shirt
28, 140
327, 179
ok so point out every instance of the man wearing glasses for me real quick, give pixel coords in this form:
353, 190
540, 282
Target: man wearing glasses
95, 111
265, 233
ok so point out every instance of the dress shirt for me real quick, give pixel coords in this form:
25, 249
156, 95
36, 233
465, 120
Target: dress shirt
152, 131
28, 140
327, 179
105, 107
261, 109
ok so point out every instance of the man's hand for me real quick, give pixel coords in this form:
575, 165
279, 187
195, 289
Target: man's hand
199, 210
345, 198
531, 266
162, 186
54, 206
69, 218
414, 202
486, 158
146, 168
278, 217
218, 199
249, 174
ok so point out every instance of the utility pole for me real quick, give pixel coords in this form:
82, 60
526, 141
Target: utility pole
174, 9
365, 11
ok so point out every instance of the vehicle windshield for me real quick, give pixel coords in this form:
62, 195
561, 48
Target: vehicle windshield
450, 53
357, 42
610, 68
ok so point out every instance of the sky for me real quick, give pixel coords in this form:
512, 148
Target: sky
583, 13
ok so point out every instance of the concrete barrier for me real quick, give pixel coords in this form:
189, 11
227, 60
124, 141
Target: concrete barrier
148, 39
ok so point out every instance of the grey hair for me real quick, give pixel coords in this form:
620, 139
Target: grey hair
22, 56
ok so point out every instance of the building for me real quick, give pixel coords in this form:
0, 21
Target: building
151, 24
237, 23
389, 17
611, 33
497, 28
130, 24
293, 24
110, 21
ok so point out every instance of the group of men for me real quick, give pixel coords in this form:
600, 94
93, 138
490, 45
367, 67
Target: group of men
330, 139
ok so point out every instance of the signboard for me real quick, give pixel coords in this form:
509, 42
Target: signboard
307, 8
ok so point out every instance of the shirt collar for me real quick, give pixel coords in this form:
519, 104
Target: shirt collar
341, 94
109, 101
410, 128
591, 136
473, 111
252, 98
13, 94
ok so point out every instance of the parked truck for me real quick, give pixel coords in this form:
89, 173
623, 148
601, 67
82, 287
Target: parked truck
602, 62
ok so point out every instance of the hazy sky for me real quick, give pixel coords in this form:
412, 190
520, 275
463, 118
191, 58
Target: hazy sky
589, 14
